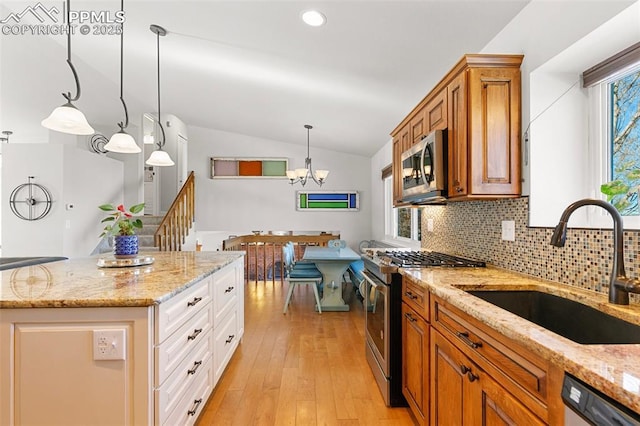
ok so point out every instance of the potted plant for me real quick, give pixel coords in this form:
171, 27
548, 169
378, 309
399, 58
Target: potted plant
121, 224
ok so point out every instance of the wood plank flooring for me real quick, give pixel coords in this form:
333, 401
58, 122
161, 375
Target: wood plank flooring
302, 368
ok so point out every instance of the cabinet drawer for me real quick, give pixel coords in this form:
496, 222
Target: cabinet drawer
517, 369
193, 401
172, 314
225, 341
172, 351
416, 296
225, 292
183, 377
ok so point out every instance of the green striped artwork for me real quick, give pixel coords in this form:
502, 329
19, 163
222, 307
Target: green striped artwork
328, 201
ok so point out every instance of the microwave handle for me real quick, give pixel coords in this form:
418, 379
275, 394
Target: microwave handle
428, 178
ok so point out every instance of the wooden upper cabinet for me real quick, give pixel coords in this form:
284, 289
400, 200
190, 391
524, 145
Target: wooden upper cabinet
405, 138
435, 112
418, 127
457, 136
494, 131
478, 103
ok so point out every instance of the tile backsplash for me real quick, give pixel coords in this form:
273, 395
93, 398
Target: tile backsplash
474, 229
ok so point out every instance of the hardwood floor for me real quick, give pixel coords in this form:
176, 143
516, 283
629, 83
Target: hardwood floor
301, 368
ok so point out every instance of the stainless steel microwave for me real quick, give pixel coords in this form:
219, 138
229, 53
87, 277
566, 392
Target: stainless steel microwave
423, 170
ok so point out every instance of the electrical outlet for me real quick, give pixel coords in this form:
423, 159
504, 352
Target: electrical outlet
429, 225
508, 230
109, 344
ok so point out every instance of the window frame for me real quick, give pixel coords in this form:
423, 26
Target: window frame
600, 129
391, 218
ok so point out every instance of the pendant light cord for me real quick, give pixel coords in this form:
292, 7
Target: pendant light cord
160, 142
67, 95
126, 112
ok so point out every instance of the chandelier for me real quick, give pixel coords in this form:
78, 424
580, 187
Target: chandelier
301, 175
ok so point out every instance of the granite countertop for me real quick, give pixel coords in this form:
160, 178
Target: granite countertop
81, 283
613, 369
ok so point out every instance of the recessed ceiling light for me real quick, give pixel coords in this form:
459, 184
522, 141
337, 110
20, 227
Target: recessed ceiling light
314, 18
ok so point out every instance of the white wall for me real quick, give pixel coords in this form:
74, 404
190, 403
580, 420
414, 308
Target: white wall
238, 206
379, 161
72, 176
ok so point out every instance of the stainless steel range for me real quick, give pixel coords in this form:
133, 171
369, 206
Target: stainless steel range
383, 316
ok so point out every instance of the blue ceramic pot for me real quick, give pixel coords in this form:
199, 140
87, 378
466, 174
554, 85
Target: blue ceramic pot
125, 246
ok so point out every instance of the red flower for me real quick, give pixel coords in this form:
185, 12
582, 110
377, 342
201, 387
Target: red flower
121, 207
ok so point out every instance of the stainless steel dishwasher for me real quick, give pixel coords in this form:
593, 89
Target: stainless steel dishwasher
585, 405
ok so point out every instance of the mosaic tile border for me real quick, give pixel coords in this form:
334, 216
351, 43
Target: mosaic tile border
473, 229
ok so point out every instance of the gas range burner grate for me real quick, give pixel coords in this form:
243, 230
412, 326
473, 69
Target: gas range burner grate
408, 259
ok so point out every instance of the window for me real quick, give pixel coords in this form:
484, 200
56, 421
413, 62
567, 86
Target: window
623, 143
615, 91
402, 223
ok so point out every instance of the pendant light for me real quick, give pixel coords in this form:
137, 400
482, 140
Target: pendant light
301, 175
122, 141
67, 118
159, 157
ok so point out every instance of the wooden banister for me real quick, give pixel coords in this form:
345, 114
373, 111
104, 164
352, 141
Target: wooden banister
175, 225
263, 259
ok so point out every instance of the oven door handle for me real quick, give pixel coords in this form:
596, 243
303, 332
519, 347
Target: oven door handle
374, 281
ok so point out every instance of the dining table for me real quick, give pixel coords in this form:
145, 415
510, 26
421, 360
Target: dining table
332, 262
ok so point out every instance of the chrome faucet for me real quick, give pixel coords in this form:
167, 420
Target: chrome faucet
619, 285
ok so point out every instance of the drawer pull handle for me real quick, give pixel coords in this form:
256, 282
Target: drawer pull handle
410, 295
196, 403
194, 301
410, 317
195, 334
466, 370
196, 364
229, 289
464, 336
230, 339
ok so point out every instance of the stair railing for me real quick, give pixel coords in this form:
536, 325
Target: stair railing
175, 225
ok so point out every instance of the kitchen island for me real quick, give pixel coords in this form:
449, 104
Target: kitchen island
610, 368
135, 345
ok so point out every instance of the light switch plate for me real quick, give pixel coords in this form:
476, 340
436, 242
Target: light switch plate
429, 225
508, 230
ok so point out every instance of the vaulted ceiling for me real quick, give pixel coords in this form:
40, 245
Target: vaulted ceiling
253, 67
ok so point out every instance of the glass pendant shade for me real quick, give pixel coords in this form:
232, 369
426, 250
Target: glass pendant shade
291, 174
68, 119
322, 174
122, 142
159, 158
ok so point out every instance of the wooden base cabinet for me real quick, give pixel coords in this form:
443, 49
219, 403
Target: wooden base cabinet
463, 394
415, 349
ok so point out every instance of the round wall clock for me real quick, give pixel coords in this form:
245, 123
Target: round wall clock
30, 201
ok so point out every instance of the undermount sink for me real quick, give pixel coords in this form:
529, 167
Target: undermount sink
573, 320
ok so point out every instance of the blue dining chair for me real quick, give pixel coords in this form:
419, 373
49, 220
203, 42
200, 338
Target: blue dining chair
297, 275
